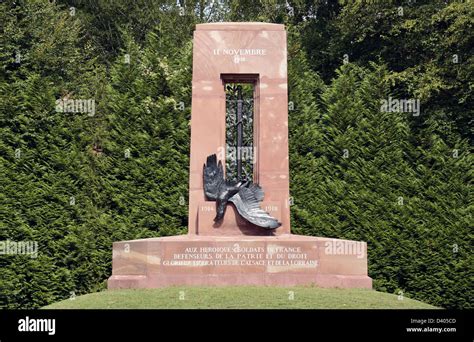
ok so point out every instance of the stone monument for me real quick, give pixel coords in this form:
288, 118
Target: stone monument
232, 250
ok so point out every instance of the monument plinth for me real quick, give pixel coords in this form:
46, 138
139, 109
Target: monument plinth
231, 61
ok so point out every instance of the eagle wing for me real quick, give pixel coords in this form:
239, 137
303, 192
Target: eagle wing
247, 203
213, 177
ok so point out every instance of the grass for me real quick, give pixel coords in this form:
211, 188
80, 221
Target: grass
239, 298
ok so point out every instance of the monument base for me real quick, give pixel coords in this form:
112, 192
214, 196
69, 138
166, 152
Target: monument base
283, 260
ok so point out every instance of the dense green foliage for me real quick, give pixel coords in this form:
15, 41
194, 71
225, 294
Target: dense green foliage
75, 182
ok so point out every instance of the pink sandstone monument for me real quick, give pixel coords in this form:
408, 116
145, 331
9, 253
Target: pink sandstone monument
234, 251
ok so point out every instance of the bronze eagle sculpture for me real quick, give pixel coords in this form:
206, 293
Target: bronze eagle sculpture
245, 196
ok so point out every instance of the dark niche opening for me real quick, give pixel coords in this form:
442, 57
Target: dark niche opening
240, 106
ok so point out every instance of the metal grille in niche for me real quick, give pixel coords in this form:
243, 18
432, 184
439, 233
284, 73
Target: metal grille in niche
239, 131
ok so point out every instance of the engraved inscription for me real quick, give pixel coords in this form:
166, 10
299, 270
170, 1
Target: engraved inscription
238, 255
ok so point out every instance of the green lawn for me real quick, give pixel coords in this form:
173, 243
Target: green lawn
240, 298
